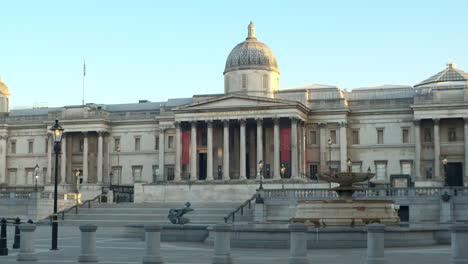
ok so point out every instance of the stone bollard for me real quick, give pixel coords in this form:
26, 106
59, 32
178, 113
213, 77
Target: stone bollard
88, 244
459, 242
153, 245
375, 244
26, 252
222, 244
298, 244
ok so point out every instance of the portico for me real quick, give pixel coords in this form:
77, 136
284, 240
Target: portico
229, 135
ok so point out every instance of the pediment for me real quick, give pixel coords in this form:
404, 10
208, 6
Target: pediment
237, 102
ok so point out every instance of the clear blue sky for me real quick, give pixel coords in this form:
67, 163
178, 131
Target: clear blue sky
157, 50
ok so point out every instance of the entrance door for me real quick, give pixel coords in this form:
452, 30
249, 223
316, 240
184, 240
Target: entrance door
202, 160
454, 174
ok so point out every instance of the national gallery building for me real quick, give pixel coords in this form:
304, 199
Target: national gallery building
399, 132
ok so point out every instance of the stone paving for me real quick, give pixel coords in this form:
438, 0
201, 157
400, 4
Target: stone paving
112, 247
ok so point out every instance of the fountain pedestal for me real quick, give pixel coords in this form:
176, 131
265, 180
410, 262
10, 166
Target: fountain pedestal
345, 212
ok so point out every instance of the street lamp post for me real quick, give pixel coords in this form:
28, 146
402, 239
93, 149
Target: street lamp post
330, 142
282, 170
36, 168
445, 161
57, 132
260, 165
349, 163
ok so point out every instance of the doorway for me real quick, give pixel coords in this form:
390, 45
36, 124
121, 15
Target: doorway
202, 160
454, 174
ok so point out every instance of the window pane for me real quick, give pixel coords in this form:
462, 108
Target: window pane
137, 144
381, 171
380, 136
356, 168
356, 137
313, 137
406, 168
405, 135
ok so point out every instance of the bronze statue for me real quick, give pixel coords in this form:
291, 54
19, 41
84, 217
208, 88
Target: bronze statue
176, 215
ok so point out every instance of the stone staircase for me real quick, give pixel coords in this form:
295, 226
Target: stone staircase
123, 214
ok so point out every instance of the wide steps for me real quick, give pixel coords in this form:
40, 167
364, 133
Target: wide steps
149, 213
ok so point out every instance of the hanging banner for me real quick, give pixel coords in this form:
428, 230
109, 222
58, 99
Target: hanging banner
185, 147
285, 145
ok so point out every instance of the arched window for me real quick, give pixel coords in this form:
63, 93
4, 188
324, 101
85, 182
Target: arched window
244, 81
265, 81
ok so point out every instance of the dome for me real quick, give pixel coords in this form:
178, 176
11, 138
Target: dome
3, 88
450, 74
251, 55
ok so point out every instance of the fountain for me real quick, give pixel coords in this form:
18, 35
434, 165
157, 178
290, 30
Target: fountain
345, 212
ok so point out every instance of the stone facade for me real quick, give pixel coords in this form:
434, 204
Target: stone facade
389, 129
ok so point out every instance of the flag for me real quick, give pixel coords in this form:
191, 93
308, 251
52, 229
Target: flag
84, 68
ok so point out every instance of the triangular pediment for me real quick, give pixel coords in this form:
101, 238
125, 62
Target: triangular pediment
237, 102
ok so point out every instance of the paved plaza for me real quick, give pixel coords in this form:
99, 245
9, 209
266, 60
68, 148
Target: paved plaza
112, 247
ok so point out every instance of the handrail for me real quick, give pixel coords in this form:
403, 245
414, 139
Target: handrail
232, 214
76, 206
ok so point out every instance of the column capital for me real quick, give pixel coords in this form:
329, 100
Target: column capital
193, 123
177, 124
322, 125
4, 137
84, 134
436, 121
162, 130
417, 122
242, 121
343, 124
100, 133
276, 120
225, 121
259, 121
209, 123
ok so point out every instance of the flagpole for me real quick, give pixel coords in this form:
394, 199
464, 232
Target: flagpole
84, 74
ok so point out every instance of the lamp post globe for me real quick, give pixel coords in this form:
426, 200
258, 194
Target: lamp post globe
349, 163
36, 169
282, 170
57, 132
445, 161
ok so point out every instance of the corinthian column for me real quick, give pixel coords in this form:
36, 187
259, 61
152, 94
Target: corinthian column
294, 155
85, 158
209, 152
343, 147
100, 157
437, 150
178, 145
226, 175
276, 149
259, 141
193, 151
242, 175
63, 156
3, 154
417, 150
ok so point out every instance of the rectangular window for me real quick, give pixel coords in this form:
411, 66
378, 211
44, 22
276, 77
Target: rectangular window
136, 172
355, 137
29, 176
11, 180
380, 135
427, 134
335, 167
13, 146
333, 136
156, 143
428, 172
30, 146
405, 135
170, 142
117, 144
155, 173
356, 167
170, 173
452, 135
406, 168
115, 178
313, 168
137, 143
244, 81
381, 171
312, 137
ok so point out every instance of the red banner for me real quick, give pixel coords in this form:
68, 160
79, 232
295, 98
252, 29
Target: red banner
285, 145
185, 147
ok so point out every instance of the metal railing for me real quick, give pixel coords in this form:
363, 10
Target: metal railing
367, 192
98, 198
232, 214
